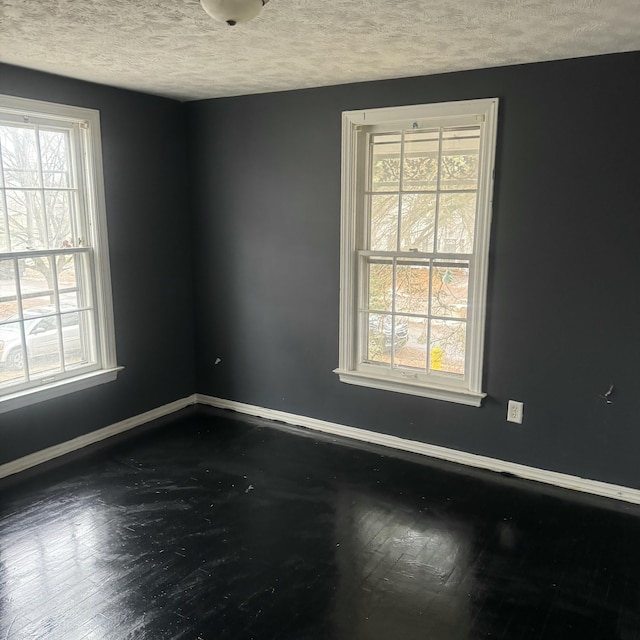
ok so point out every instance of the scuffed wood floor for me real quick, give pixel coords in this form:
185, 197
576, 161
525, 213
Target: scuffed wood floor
213, 528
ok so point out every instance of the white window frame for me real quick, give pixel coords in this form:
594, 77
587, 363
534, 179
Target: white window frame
86, 125
356, 128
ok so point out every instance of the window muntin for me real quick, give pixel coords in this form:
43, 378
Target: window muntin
416, 213
56, 321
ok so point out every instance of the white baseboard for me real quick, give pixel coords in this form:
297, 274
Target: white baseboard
554, 478
33, 459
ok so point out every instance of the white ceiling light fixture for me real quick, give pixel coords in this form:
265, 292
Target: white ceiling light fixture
233, 11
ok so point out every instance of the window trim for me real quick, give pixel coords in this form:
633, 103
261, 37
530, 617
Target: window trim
92, 175
467, 391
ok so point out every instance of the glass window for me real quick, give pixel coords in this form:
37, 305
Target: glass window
56, 322
416, 210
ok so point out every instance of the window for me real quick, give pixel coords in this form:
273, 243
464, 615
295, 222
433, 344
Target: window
416, 212
56, 319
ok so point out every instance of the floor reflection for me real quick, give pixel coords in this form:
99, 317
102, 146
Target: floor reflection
53, 572
401, 573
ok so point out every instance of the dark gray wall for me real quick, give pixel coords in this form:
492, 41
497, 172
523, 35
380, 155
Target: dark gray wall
149, 237
563, 297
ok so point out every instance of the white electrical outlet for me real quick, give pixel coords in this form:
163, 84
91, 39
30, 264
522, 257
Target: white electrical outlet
514, 411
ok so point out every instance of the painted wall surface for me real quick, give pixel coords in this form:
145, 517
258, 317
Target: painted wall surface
563, 299
150, 250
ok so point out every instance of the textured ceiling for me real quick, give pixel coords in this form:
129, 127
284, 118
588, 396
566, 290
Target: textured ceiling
172, 48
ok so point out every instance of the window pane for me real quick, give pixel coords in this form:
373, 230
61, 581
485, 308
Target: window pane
27, 222
36, 283
383, 234
411, 342
4, 231
11, 354
379, 329
459, 164
385, 162
456, 222
447, 351
450, 291
19, 157
420, 166
69, 268
88, 337
380, 286
77, 336
8, 302
55, 158
58, 208
417, 222
412, 288
43, 345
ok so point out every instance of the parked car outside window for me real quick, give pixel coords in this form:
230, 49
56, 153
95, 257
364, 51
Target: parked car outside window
41, 335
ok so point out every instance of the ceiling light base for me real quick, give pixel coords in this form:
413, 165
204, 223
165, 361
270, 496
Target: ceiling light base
233, 11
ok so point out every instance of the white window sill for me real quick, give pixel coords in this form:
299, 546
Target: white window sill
44, 392
450, 394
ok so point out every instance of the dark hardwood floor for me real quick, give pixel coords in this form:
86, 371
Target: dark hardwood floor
213, 528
